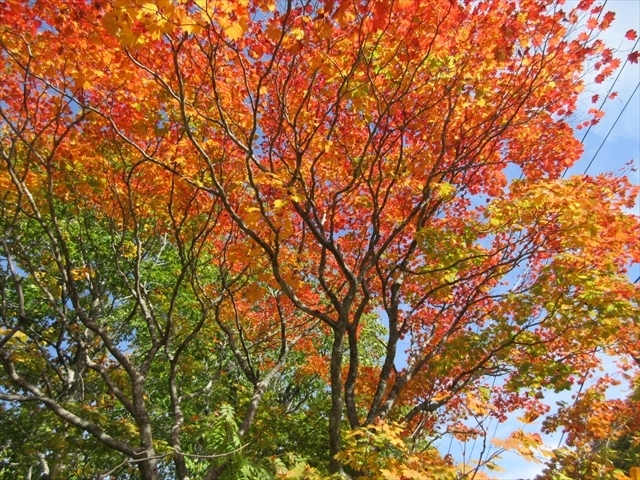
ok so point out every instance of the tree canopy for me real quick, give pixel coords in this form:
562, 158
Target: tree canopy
259, 239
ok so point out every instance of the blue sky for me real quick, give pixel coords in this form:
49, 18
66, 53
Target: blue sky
620, 146
609, 145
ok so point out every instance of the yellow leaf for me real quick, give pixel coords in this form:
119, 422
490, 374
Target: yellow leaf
278, 203
387, 475
477, 406
202, 4
110, 23
192, 28
495, 222
326, 145
146, 9
20, 336
297, 33
445, 190
234, 31
494, 467
529, 417
127, 37
413, 474
440, 396
286, 230
77, 273
267, 5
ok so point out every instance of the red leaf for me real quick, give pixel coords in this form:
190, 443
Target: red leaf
595, 98
592, 23
633, 56
631, 35
613, 95
608, 18
583, 37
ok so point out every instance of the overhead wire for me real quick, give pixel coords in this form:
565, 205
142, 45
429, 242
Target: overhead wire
607, 96
582, 383
611, 129
604, 100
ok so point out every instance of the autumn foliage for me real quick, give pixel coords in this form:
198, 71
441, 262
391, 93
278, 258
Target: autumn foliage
250, 239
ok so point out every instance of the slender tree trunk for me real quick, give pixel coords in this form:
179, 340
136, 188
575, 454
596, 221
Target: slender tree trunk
215, 472
181, 466
335, 414
182, 471
46, 472
149, 470
352, 376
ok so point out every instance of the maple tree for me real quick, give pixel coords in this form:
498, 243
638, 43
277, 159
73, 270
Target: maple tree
231, 225
602, 437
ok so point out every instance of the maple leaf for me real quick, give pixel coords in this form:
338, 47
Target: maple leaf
271, 201
273, 31
596, 112
608, 18
234, 31
592, 23
631, 35
634, 56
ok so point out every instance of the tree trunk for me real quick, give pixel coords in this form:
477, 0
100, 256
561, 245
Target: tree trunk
149, 469
335, 414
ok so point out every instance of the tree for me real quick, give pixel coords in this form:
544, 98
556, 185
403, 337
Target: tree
299, 211
602, 436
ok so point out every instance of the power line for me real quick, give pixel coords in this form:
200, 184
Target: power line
611, 129
606, 97
604, 100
